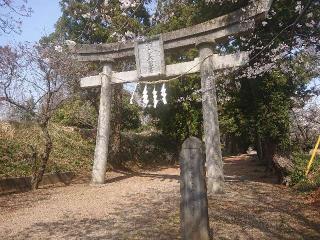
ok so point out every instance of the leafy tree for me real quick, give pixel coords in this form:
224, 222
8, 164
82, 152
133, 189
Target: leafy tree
274, 76
182, 116
76, 112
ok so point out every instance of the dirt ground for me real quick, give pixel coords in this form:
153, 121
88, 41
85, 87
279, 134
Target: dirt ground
146, 206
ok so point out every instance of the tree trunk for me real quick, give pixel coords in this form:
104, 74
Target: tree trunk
269, 152
34, 160
44, 156
259, 146
258, 141
232, 145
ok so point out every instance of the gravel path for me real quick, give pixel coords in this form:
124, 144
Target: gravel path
146, 206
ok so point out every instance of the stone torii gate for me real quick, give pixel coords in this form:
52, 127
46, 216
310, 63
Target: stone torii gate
149, 56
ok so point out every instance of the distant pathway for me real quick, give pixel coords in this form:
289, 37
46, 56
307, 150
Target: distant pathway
146, 206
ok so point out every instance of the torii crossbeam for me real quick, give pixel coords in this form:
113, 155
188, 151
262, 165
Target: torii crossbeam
149, 56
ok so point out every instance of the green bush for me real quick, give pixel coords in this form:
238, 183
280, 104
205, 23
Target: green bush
130, 115
12, 159
145, 150
71, 150
298, 178
82, 114
76, 113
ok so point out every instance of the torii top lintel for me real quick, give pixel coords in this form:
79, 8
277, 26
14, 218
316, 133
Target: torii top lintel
216, 29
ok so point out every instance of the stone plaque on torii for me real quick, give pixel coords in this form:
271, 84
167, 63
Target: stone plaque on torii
149, 55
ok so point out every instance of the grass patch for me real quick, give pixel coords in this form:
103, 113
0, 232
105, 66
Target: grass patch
299, 180
73, 150
70, 150
149, 149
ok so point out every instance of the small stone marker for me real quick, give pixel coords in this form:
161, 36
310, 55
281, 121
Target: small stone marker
194, 202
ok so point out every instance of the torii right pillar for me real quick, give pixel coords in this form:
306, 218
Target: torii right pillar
214, 164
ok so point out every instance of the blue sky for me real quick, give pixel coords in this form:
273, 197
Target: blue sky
44, 16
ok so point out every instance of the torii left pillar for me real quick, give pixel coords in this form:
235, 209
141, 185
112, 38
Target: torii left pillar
103, 132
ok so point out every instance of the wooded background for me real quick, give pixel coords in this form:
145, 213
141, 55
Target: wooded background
269, 105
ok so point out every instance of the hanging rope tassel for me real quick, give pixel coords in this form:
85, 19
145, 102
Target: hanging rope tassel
134, 91
145, 99
155, 96
164, 94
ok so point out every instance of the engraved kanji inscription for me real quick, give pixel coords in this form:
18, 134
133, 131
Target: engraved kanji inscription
150, 58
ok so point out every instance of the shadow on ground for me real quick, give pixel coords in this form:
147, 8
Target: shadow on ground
253, 207
143, 219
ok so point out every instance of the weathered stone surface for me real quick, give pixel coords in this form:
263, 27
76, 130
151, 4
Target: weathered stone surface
216, 29
103, 132
194, 202
150, 63
172, 70
284, 167
215, 183
150, 58
283, 164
